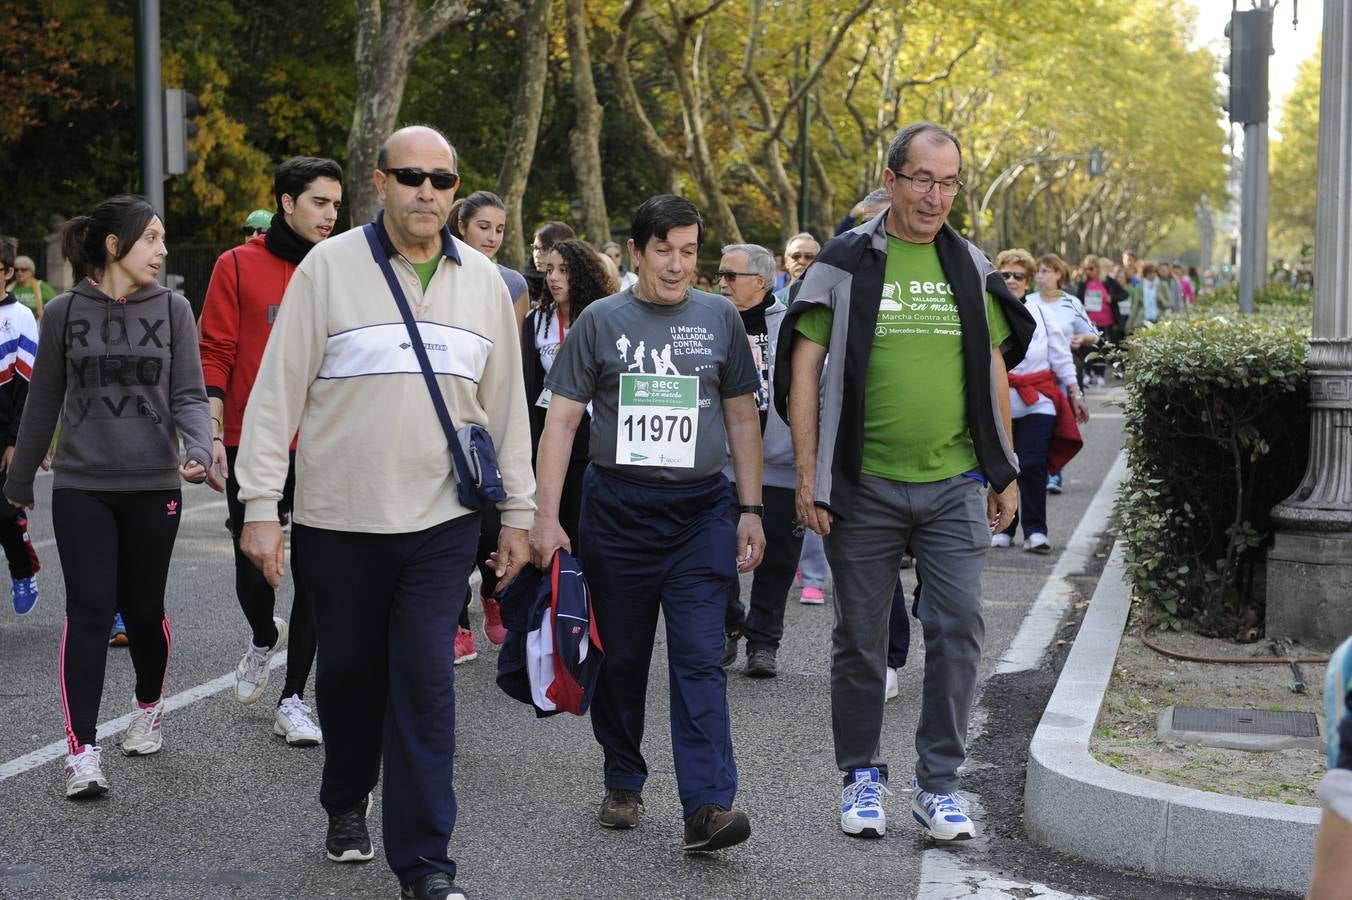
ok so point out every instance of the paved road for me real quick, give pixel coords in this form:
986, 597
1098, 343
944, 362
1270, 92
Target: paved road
226, 810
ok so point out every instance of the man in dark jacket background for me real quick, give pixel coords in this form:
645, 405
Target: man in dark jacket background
912, 447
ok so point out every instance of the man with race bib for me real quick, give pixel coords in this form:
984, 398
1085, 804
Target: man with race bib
671, 382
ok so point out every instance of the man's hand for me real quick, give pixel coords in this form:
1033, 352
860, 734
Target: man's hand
750, 542
547, 536
809, 513
219, 469
262, 543
513, 552
1001, 506
6, 458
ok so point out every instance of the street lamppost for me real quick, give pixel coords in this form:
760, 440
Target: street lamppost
1310, 565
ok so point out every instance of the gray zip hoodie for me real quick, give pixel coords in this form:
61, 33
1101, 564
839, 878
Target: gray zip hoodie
125, 378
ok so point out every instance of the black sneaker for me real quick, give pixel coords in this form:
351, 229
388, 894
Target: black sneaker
730, 650
348, 840
712, 827
760, 663
437, 886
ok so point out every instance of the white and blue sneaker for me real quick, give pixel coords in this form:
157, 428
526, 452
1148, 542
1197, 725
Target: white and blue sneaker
861, 806
941, 815
25, 594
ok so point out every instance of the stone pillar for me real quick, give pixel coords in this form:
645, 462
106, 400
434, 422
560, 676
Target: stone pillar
1309, 573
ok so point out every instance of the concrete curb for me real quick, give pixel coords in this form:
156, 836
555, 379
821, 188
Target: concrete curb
1077, 805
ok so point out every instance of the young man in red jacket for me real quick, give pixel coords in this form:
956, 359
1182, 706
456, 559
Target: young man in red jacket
241, 304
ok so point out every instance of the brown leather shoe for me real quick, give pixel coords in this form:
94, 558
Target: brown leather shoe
712, 827
620, 808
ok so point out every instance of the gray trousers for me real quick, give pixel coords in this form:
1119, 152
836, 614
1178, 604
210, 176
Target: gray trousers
945, 525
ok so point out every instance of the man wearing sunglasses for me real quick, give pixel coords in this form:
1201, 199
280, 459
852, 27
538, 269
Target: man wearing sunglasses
914, 427
380, 536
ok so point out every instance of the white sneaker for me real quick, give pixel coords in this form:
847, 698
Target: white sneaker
861, 805
1000, 539
84, 774
251, 675
143, 734
1102, 381
892, 688
293, 722
941, 815
1037, 543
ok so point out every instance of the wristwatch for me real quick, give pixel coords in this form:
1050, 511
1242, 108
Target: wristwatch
755, 510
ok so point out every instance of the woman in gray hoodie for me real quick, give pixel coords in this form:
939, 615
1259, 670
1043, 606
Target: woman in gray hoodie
118, 364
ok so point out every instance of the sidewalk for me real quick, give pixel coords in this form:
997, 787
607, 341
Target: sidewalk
1077, 805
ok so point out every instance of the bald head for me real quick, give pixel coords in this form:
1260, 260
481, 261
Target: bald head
413, 139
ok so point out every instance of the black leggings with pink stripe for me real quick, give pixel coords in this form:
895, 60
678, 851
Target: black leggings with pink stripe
115, 550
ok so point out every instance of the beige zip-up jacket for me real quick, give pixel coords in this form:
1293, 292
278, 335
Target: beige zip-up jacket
372, 456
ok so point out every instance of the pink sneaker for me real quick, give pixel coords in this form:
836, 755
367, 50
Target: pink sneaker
813, 596
493, 629
464, 646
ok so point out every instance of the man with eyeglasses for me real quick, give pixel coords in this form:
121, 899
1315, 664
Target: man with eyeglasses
380, 537
745, 276
912, 446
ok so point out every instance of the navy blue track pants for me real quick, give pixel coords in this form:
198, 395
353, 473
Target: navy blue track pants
648, 546
386, 607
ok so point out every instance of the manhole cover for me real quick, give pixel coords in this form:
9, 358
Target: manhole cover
1246, 721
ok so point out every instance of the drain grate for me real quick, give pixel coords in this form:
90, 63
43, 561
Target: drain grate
1246, 721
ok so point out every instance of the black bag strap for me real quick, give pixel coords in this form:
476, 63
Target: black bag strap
462, 470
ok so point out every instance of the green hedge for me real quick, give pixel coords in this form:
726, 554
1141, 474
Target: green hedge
1226, 297
1217, 428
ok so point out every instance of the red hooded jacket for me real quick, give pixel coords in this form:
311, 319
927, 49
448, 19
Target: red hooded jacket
242, 301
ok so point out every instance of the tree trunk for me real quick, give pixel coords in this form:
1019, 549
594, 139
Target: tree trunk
533, 28
388, 40
717, 212
663, 158
584, 141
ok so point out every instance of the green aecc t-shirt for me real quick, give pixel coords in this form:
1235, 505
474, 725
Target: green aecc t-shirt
915, 406
426, 269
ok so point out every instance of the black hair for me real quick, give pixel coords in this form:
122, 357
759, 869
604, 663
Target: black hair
658, 215
8, 253
588, 280
551, 233
900, 148
297, 174
463, 210
125, 217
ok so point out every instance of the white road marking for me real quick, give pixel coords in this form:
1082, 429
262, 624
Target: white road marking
191, 510
944, 877
1039, 626
113, 727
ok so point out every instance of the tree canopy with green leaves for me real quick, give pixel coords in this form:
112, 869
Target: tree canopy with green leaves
773, 115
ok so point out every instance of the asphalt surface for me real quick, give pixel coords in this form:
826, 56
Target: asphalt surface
227, 810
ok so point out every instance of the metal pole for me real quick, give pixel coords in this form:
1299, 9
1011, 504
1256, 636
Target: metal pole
1252, 241
1310, 564
152, 111
804, 168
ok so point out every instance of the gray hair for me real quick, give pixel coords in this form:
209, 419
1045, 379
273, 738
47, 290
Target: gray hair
877, 195
759, 260
901, 144
801, 236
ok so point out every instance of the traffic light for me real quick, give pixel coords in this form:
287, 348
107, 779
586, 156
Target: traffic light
1250, 34
179, 109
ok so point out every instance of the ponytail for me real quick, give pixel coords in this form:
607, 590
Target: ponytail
84, 238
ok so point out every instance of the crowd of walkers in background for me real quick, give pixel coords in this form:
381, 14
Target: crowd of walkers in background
109, 377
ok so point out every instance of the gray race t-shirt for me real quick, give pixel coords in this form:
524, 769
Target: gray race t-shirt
656, 377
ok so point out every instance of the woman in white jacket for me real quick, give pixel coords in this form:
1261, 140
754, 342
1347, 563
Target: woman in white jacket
1047, 370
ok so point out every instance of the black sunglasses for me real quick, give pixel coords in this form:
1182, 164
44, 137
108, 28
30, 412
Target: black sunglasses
251, 232
441, 181
1013, 276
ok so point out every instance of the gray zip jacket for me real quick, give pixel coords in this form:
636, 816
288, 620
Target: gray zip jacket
125, 378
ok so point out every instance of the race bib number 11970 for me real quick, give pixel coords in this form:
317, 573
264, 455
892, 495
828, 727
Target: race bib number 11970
658, 421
